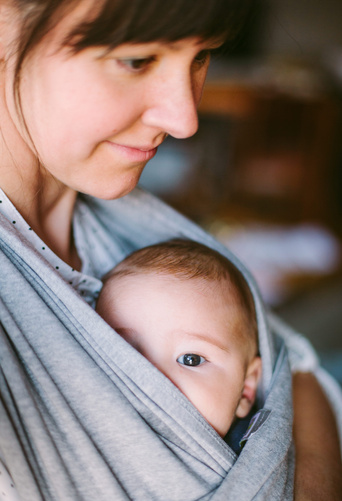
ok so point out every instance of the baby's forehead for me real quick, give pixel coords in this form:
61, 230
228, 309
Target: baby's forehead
222, 289
220, 293
144, 278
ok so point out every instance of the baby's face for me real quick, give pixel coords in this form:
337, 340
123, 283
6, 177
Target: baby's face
191, 332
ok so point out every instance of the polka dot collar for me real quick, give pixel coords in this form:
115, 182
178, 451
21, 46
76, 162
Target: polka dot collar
83, 282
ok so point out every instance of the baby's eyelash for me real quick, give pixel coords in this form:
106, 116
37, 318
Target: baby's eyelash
191, 360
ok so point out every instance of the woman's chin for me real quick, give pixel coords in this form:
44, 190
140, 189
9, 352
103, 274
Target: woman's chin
114, 190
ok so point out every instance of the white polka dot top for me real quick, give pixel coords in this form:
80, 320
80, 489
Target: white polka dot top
84, 281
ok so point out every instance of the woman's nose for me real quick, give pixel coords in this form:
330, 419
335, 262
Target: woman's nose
173, 107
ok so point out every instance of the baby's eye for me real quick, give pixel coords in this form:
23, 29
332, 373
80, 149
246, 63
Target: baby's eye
191, 359
136, 64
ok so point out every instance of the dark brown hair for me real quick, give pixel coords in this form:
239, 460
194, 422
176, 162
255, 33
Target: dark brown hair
186, 260
113, 22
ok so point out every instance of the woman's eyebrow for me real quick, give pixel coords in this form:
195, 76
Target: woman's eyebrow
214, 43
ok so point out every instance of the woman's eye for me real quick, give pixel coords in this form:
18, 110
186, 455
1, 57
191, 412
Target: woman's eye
202, 58
136, 64
191, 360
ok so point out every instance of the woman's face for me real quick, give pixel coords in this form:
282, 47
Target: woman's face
97, 117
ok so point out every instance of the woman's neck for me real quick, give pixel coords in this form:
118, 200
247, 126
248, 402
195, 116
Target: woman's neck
47, 206
45, 203
52, 221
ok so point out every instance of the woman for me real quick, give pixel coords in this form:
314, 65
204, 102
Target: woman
89, 91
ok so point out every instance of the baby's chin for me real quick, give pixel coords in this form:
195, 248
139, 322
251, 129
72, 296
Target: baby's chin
222, 428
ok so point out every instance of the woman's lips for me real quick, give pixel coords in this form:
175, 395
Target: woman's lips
134, 154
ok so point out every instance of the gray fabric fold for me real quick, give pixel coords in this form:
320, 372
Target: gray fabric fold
84, 416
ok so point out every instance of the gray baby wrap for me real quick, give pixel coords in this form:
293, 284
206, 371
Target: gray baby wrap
84, 416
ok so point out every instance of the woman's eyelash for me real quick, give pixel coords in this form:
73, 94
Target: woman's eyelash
137, 64
202, 57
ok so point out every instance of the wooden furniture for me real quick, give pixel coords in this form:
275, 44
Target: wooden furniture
281, 164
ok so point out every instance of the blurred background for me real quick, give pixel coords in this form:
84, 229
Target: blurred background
264, 171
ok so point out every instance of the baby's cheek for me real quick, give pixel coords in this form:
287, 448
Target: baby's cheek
219, 415
204, 395
217, 399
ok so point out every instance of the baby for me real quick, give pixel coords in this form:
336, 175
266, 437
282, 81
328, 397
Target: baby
190, 312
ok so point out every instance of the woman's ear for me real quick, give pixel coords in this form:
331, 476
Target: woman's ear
252, 378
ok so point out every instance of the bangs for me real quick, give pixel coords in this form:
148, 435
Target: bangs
139, 21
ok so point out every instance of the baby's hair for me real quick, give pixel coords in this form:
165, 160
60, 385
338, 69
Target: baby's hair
187, 260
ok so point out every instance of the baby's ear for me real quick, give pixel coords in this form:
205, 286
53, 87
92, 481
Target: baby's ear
253, 375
